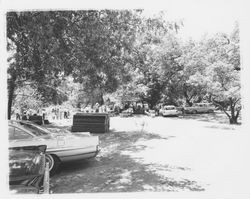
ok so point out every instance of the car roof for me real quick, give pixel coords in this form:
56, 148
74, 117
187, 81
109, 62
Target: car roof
169, 106
204, 103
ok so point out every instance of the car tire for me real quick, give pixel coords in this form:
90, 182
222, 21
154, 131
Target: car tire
195, 112
54, 163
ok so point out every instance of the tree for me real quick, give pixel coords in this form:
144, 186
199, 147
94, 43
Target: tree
192, 88
38, 50
220, 73
224, 86
154, 56
102, 41
27, 98
46, 46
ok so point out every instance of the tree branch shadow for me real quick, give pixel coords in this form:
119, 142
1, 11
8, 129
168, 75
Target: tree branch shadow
113, 171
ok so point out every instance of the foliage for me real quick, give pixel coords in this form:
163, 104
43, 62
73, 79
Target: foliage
90, 45
27, 98
82, 56
39, 51
218, 72
154, 59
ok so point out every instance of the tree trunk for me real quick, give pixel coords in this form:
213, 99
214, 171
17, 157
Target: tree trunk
187, 98
189, 102
11, 89
233, 120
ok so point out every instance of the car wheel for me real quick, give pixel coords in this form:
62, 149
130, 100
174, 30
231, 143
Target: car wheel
195, 112
54, 163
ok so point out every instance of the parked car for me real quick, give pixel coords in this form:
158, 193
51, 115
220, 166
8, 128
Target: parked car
200, 108
126, 113
151, 113
169, 110
61, 147
26, 169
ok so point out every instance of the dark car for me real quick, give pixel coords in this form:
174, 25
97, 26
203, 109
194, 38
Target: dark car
26, 169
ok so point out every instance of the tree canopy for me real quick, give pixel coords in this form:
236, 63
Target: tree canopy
80, 56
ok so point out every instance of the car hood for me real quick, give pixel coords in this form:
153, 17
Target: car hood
26, 168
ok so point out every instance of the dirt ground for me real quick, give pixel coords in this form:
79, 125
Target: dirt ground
141, 153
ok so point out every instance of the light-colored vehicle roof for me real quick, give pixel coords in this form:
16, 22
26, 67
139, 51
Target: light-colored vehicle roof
202, 104
169, 106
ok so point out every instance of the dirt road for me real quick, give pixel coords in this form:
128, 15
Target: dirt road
158, 154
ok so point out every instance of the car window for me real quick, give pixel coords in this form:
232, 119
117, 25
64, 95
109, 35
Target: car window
11, 132
38, 131
16, 134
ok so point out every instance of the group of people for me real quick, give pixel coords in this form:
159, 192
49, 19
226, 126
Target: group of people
54, 113
26, 114
57, 113
96, 109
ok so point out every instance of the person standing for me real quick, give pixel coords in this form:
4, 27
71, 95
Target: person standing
43, 114
24, 117
18, 117
96, 107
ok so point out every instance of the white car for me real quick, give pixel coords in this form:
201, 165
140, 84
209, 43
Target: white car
61, 147
169, 111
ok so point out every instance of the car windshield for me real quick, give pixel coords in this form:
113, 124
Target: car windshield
36, 130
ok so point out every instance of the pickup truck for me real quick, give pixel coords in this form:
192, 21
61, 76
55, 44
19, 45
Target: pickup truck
200, 108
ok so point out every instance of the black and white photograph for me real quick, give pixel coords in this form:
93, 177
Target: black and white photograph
145, 98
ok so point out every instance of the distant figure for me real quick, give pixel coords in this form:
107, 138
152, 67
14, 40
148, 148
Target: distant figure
126, 106
43, 114
96, 107
65, 115
104, 109
57, 114
157, 109
54, 115
18, 116
24, 117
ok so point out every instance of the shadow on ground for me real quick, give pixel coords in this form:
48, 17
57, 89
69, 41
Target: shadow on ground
207, 117
112, 171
